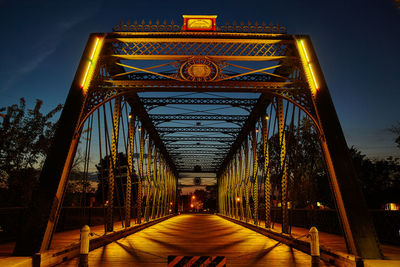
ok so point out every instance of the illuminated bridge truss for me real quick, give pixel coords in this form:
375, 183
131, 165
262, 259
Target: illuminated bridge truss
162, 101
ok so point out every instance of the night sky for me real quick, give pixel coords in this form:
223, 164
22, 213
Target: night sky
357, 42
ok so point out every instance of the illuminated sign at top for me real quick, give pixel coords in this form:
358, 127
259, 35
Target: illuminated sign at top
199, 22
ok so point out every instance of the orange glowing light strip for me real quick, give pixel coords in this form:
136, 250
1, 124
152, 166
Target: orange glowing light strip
309, 64
90, 62
94, 49
305, 51
87, 71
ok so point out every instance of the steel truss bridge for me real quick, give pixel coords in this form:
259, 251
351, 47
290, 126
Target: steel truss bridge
162, 100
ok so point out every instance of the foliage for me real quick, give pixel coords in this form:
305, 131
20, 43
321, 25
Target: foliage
208, 197
119, 180
379, 179
307, 180
25, 138
396, 130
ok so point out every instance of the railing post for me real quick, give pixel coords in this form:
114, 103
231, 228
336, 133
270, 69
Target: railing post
84, 250
314, 247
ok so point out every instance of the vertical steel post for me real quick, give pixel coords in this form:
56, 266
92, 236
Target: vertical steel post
247, 179
130, 175
155, 184
241, 183
159, 198
148, 180
231, 200
236, 193
140, 178
113, 166
267, 182
282, 141
255, 174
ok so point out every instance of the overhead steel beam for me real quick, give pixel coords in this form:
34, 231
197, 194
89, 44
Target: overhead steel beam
195, 152
226, 130
206, 146
198, 139
198, 101
200, 171
228, 118
177, 86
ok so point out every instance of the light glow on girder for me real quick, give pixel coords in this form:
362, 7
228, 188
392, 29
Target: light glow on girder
313, 77
91, 64
305, 51
308, 67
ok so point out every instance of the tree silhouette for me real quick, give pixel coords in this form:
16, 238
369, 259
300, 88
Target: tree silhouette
25, 138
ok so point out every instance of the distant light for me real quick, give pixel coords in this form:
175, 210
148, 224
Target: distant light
193, 197
170, 210
130, 116
238, 199
140, 129
266, 117
191, 205
256, 130
170, 203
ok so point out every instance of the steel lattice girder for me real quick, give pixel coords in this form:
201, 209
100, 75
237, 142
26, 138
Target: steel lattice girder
226, 130
228, 118
198, 139
161, 48
177, 147
196, 152
198, 101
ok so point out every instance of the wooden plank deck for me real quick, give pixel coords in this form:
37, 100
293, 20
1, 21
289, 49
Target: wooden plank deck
217, 231
195, 235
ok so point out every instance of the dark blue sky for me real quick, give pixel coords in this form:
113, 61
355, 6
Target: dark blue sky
357, 43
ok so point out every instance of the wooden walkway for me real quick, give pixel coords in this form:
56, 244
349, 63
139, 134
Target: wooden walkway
195, 235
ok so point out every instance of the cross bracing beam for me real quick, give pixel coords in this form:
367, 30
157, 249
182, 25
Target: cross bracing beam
228, 118
196, 152
182, 86
197, 171
178, 147
147, 76
204, 157
226, 130
198, 139
198, 101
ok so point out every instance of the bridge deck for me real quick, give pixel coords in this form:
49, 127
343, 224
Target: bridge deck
193, 235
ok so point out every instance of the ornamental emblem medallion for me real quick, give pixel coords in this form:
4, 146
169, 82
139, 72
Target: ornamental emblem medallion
199, 70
